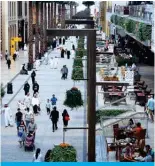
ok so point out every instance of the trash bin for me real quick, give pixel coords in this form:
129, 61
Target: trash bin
9, 88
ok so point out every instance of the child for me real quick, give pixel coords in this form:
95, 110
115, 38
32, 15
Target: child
48, 106
53, 100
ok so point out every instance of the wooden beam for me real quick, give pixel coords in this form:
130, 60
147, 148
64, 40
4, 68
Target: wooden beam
110, 53
113, 83
69, 32
87, 18
91, 22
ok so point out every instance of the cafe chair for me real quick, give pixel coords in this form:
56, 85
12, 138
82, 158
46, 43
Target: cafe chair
115, 130
147, 92
144, 87
141, 83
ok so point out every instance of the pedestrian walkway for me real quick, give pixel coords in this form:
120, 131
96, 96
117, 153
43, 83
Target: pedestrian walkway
50, 83
9, 74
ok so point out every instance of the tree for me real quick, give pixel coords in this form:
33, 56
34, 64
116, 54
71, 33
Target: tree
88, 3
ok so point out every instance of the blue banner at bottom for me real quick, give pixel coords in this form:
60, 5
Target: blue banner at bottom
78, 163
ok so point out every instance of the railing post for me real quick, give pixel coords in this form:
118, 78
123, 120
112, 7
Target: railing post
63, 135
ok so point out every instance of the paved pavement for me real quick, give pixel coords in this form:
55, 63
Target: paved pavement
8, 74
50, 83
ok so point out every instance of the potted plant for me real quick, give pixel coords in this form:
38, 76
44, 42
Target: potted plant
73, 98
63, 153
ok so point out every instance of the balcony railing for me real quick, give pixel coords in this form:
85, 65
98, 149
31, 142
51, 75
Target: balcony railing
143, 12
122, 10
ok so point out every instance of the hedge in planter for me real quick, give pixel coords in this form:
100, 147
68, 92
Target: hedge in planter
79, 53
108, 113
77, 62
63, 153
77, 73
2, 91
73, 98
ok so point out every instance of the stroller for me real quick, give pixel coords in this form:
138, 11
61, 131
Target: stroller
29, 142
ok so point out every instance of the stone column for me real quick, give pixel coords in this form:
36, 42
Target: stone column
30, 38
63, 16
45, 26
49, 15
36, 30
41, 28
52, 21
71, 11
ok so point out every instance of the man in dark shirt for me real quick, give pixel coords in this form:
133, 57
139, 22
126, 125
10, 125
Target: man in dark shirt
18, 117
54, 116
35, 87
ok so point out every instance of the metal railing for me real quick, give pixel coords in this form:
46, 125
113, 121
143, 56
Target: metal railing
107, 128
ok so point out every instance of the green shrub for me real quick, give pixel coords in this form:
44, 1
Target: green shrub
2, 91
77, 73
130, 26
73, 98
77, 62
108, 113
63, 154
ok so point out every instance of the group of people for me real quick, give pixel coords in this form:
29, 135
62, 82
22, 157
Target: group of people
145, 152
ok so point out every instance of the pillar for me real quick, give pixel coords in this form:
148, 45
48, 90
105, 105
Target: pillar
49, 15
52, 21
36, 31
41, 28
71, 11
30, 37
45, 26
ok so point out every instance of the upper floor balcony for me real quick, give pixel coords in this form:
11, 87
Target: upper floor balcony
121, 10
143, 12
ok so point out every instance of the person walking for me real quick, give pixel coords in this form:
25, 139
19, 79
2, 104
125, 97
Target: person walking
62, 53
54, 116
48, 106
63, 41
33, 75
47, 156
55, 63
65, 72
150, 106
53, 100
68, 54
26, 87
35, 104
73, 47
60, 41
14, 56
8, 62
7, 116
6, 55
65, 118
28, 116
32, 127
35, 87
27, 100
37, 157
18, 117
21, 132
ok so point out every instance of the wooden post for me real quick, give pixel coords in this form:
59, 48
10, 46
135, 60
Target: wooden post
92, 97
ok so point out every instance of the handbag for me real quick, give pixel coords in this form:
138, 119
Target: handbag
67, 118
